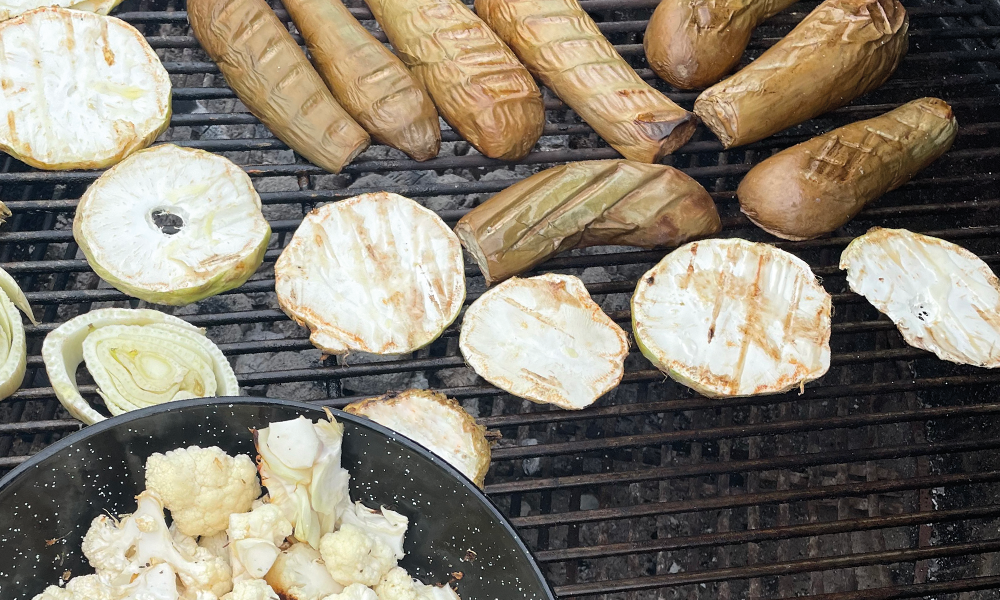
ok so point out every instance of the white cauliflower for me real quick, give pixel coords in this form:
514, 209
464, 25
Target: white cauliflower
255, 539
251, 589
217, 544
158, 582
300, 467
201, 487
84, 587
354, 556
120, 549
355, 591
387, 525
299, 574
398, 585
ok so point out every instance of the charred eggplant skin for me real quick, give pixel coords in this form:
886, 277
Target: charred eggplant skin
583, 204
817, 186
477, 83
842, 49
368, 80
269, 73
562, 46
693, 44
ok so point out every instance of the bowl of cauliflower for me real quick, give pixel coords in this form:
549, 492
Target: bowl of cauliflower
252, 499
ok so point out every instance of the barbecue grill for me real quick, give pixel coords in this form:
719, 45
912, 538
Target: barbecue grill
879, 481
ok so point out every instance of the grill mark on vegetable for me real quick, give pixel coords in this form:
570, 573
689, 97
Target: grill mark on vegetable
752, 329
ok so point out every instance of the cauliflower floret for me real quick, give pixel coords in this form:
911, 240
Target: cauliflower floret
158, 582
251, 589
299, 574
355, 591
254, 540
217, 544
387, 525
354, 556
202, 486
398, 585
84, 587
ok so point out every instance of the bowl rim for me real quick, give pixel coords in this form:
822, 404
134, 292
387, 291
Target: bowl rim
88, 431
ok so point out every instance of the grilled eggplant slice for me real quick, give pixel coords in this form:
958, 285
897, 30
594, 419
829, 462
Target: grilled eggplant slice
842, 49
942, 297
116, 102
545, 340
367, 79
694, 44
733, 318
817, 186
478, 85
585, 204
272, 77
436, 422
375, 273
562, 46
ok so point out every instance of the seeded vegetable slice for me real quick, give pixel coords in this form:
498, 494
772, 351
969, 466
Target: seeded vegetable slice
562, 46
478, 85
82, 91
375, 273
841, 50
733, 318
942, 297
264, 65
545, 340
583, 204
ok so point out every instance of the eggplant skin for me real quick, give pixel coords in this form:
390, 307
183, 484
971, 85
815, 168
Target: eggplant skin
817, 186
264, 66
841, 50
583, 204
368, 80
693, 44
562, 46
477, 83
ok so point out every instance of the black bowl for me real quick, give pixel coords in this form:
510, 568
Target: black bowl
47, 503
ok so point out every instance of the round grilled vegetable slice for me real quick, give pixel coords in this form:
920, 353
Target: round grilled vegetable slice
220, 241
435, 421
12, 8
13, 348
375, 273
82, 91
544, 339
942, 297
137, 357
733, 318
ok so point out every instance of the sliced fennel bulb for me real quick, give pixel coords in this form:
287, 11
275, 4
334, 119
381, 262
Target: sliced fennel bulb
13, 349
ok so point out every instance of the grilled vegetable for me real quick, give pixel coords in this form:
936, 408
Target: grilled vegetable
375, 273
562, 46
12, 8
942, 297
733, 318
13, 348
269, 73
435, 421
585, 204
367, 79
478, 85
817, 186
545, 340
220, 242
116, 102
694, 44
842, 49
137, 357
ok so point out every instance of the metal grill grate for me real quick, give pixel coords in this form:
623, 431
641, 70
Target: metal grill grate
879, 482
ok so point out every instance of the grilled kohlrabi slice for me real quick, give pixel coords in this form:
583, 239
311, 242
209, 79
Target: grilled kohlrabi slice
218, 239
733, 318
81, 91
545, 340
13, 8
375, 273
942, 297
137, 357
13, 349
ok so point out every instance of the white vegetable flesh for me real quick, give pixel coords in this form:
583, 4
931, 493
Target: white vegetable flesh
13, 348
733, 318
13, 8
376, 273
255, 538
545, 340
81, 91
138, 357
300, 574
220, 241
942, 297
386, 525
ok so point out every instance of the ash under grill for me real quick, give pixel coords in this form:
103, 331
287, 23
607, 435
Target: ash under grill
880, 481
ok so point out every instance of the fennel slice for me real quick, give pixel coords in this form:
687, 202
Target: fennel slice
544, 339
942, 297
375, 273
13, 347
219, 243
64, 349
733, 318
436, 422
81, 90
